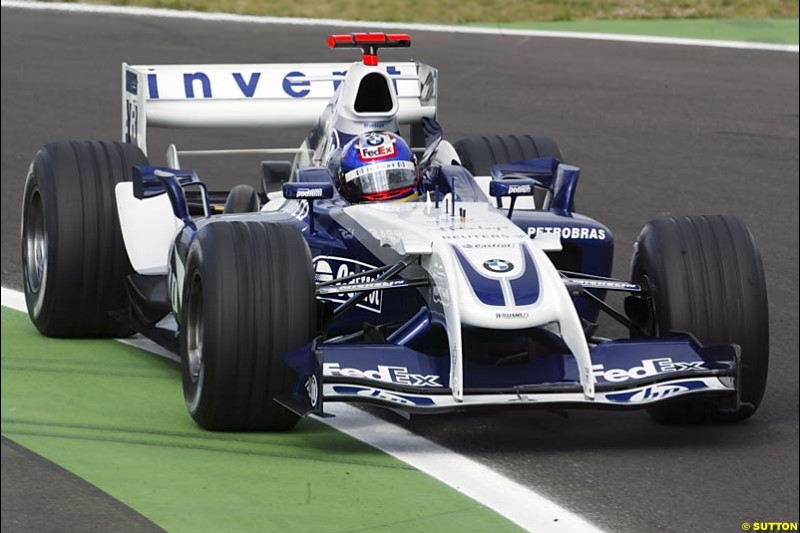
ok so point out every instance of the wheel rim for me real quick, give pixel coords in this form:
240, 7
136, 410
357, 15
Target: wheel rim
194, 331
35, 239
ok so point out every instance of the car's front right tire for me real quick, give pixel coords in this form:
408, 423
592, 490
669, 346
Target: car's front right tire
706, 278
74, 261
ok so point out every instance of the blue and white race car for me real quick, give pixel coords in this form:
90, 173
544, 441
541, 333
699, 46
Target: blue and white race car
418, 275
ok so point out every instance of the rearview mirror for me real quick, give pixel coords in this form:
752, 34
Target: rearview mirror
512, 187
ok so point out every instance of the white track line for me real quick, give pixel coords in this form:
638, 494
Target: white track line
13, 300
16, 300
441, 28
520, 504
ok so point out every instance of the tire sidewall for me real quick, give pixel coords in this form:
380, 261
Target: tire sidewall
39, 302
197, 393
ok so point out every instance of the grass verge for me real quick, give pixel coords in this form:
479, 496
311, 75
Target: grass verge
486, 11
769, 21
778, 31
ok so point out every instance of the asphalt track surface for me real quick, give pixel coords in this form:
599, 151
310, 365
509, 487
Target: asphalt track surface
657, 129
56, 500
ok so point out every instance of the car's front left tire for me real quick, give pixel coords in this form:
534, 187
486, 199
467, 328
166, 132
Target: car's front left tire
248, 299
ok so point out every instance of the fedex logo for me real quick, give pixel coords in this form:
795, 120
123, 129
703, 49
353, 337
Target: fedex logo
231, 82
376, 146
389, 374
376, 152
648, 368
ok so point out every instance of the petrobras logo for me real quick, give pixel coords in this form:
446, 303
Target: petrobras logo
309, 193
520, 189
328, 268
570, 232
648, 368
389, 374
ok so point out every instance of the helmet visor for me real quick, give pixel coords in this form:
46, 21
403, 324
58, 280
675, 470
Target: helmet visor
380, 178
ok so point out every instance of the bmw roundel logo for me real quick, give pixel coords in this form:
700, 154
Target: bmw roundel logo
498, 265
374, 140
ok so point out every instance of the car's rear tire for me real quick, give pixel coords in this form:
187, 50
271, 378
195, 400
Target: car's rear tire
479, 154
248, 298
242, 199
706, 278
74, 261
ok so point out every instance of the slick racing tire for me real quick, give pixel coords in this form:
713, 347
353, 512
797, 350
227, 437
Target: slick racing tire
480, 154
242, 199
248, 298
74, 260
705, 277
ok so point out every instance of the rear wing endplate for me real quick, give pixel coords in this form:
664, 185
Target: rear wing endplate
267, 95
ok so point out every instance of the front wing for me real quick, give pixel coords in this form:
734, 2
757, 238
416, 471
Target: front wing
629, 373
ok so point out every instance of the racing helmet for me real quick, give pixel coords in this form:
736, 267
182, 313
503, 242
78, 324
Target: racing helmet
376, 167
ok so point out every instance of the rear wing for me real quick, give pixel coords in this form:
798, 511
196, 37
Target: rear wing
268, 95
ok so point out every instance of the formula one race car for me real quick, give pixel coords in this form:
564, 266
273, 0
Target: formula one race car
423, 276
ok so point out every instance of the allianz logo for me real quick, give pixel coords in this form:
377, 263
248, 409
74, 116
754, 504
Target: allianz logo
328, 268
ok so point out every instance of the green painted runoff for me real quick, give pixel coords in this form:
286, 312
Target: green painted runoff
114, 415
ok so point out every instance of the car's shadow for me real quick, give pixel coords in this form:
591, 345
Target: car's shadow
485, 432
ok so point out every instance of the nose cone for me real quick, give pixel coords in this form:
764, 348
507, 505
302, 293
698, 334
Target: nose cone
506, 280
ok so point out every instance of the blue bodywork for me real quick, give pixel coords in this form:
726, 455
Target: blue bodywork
410, 357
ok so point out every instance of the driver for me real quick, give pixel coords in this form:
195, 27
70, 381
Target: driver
376, 167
